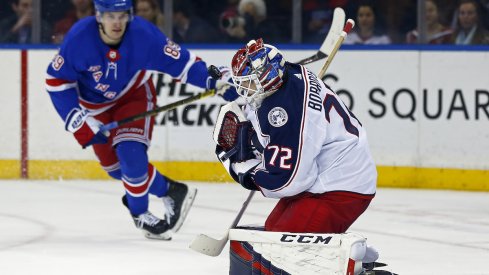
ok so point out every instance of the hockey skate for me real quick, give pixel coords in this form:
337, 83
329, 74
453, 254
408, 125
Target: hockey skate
178, 201
370, 269
152, 226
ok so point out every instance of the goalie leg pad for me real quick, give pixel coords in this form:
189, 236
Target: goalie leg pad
244, 261
260, 252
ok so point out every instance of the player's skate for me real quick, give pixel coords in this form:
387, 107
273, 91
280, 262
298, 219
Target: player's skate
370, 269
178, 201
152, 226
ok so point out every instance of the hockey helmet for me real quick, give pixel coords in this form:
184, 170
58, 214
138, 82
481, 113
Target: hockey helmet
258, 69
102, 6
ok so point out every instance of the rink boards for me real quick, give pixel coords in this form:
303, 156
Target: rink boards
425, 112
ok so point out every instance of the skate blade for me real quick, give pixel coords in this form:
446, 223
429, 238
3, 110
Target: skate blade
189, 200
372, 265
163, 237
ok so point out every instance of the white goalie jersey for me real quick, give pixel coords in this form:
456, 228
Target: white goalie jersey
312, 142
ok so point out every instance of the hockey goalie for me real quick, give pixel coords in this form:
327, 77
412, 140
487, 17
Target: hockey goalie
295, 140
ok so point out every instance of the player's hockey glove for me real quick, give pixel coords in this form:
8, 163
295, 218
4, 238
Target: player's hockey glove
242, 171
85, 128
224, 85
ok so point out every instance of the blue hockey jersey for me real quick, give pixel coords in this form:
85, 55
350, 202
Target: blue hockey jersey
88, 72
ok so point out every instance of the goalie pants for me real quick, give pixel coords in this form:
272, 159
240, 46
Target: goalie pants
331, 212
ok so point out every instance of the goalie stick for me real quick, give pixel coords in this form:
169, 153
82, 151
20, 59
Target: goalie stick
327, 47
212, 247
348, 27
328, 43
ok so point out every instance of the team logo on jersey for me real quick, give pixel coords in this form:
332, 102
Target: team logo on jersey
97, 76
94, 68
110, 95
113, 55
58, 62
277, 117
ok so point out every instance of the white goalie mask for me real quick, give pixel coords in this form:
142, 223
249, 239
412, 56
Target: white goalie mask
257, 71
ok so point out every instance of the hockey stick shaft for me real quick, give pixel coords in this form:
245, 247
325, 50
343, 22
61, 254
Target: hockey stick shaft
176, 104
168, 107
348, 27
243, 208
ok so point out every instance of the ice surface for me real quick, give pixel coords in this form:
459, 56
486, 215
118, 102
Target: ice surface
81, 227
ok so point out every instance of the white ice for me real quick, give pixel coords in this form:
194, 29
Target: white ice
81, 227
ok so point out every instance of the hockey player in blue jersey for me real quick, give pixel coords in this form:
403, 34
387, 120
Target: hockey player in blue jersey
100, 75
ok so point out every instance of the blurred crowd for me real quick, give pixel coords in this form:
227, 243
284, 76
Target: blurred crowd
461, 22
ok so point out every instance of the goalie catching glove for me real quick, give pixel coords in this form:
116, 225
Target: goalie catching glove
85, 128
233, 135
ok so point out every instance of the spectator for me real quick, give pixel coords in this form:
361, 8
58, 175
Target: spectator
367, 30
469, 29
150, 10
189, 28
17, 28
208, 9
484, 13
436, 33
54, 10
318, 16
4, 9
81, 9
400, 17
251, 22
229, 11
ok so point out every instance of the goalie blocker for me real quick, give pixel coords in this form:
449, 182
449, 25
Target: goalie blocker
254, 251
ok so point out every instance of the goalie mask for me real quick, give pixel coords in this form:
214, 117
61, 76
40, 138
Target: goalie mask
257, 71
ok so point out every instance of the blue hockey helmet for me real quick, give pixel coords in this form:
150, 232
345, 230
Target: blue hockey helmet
102, 6
258, 69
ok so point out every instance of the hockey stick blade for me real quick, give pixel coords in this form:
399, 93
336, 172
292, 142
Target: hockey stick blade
330, 40
213, 247
209, 246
